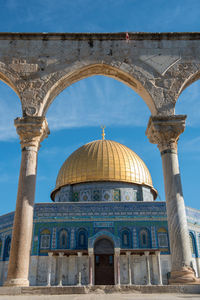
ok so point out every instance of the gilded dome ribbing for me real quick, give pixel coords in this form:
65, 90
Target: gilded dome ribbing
103, 160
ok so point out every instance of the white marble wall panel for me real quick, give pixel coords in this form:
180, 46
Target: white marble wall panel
139, 270
72, 276
123, 269
84, 267
165, 267
33, 270
42, 270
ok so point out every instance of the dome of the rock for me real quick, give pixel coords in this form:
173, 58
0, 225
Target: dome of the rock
103, 160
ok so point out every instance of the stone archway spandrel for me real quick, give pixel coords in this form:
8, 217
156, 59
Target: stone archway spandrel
158, 66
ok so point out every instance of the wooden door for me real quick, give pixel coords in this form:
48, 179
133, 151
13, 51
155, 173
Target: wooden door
104, 269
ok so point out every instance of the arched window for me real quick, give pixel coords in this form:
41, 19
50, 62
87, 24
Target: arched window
6, 253
82, 238
162, 238
125, 235
0, 247
63, 239
45, 237
144, 239
193, 244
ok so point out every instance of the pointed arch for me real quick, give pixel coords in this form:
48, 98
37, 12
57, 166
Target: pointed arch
7, 245
82, 238
45, 239
144, 238
125, 238
63, 239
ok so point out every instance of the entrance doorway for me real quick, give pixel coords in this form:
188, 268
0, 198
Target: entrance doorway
104, 262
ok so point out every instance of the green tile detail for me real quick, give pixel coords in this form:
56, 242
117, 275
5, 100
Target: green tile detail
96, 195
76, 197
117, 195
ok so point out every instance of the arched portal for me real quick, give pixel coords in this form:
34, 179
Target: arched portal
104, 262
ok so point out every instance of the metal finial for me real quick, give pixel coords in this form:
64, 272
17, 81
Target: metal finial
103, 132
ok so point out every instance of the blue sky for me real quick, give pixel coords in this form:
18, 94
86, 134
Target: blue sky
76, 114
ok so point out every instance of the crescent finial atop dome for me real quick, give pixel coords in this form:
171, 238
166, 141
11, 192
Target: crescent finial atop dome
103, 132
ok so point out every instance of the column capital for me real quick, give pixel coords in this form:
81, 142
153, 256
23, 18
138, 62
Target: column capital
90, 251
32, 131
146, 253
165, 131
117, 251
61, 254
50, 254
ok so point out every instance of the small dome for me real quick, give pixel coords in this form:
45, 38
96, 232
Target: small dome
103, 160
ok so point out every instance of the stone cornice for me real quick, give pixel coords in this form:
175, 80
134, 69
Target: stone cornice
101, 36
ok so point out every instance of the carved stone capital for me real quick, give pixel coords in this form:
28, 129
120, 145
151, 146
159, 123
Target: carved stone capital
165, 131
32, 131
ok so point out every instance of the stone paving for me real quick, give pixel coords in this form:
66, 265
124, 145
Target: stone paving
103, 297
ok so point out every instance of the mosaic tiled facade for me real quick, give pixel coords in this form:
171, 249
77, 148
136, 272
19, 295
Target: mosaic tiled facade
121, 217
94, 219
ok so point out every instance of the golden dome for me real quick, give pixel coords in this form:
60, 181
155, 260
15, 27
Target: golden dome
103, 160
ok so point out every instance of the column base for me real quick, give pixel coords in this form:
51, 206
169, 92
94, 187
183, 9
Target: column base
184, 276
17, 282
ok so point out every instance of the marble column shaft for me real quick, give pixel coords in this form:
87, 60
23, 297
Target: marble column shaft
159, 268
165, 132
91, 266
60, 268
31, 130
129, 267
79, 275
117, 266
50, 254
148, 268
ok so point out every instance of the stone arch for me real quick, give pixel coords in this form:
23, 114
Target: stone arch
190, 80
104, 234
9, 78
104, 246
192, 74
83, 72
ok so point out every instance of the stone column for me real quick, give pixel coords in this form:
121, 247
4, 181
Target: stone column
60, 268
117, 266
128, 253
165, 131
31, 130
79, 268
91, 266
148, 267
50, 254
159, 268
